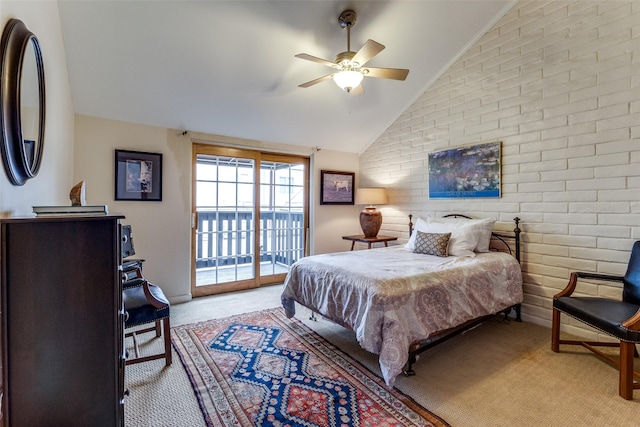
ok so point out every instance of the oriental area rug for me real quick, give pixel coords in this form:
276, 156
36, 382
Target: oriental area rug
262, 369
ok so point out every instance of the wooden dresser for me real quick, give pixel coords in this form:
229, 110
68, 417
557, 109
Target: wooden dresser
61, 322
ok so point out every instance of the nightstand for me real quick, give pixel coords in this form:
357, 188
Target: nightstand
369, 240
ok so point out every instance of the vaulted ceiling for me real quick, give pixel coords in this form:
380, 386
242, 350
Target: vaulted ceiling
228, 67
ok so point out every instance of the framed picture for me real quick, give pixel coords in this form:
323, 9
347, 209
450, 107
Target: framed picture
336, 188
469, 171
138, 176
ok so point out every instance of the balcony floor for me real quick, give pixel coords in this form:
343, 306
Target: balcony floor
207, 276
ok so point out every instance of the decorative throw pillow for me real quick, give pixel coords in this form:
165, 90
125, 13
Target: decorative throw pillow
432, 243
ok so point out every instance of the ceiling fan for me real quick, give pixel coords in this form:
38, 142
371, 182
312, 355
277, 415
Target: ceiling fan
349, 66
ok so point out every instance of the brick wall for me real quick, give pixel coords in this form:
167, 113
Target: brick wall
558, 82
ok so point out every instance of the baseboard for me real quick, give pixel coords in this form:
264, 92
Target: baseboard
179, 299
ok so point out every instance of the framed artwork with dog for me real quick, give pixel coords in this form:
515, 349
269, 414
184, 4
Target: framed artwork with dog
336, 188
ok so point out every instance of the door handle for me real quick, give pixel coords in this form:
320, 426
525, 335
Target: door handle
194, 220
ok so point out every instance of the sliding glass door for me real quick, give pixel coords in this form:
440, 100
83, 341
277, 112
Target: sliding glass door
282, 216
239, 243
225, 226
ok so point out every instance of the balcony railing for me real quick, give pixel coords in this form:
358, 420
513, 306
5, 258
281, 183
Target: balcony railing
226, 238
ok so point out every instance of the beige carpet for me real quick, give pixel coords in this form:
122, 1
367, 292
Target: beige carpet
498, 374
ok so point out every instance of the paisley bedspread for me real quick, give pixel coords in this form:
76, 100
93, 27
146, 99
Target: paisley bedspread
392, 297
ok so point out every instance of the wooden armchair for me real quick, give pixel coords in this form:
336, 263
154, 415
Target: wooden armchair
619, 319
145, 303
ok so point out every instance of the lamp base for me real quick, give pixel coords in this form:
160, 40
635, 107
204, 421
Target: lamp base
370, 221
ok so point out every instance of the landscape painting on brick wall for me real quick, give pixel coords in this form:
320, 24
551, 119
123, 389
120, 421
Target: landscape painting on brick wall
469, 171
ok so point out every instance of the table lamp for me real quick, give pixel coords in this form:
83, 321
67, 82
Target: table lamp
370, 218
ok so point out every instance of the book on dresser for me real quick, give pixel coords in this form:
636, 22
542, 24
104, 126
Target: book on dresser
68, 210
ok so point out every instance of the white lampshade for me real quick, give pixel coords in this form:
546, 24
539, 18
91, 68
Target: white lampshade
347, 80
371, 196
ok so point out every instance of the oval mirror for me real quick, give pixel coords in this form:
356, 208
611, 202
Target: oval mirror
22, 95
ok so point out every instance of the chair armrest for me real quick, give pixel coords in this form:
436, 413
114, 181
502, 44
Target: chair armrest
633, 323
152, 300
573, 281
597, 276
134, 278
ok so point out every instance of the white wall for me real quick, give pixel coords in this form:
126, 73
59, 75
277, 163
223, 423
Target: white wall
52, 184
558, 82
161, 230
162, 233
331, 222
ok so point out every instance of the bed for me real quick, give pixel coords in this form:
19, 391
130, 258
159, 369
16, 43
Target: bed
400, 301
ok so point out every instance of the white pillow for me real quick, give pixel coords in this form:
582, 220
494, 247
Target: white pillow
485, 233
464, 236
420, 225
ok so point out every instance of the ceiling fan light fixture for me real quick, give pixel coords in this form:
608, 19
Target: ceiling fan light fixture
348, 80
349, 65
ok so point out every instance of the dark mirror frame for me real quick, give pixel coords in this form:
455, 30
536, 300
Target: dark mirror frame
21, 158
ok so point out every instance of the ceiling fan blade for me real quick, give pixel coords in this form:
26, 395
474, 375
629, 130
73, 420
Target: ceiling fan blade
388, 73
316, 81
316, 59
368, 51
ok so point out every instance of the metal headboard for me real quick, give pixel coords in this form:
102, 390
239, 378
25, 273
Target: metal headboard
498, 236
